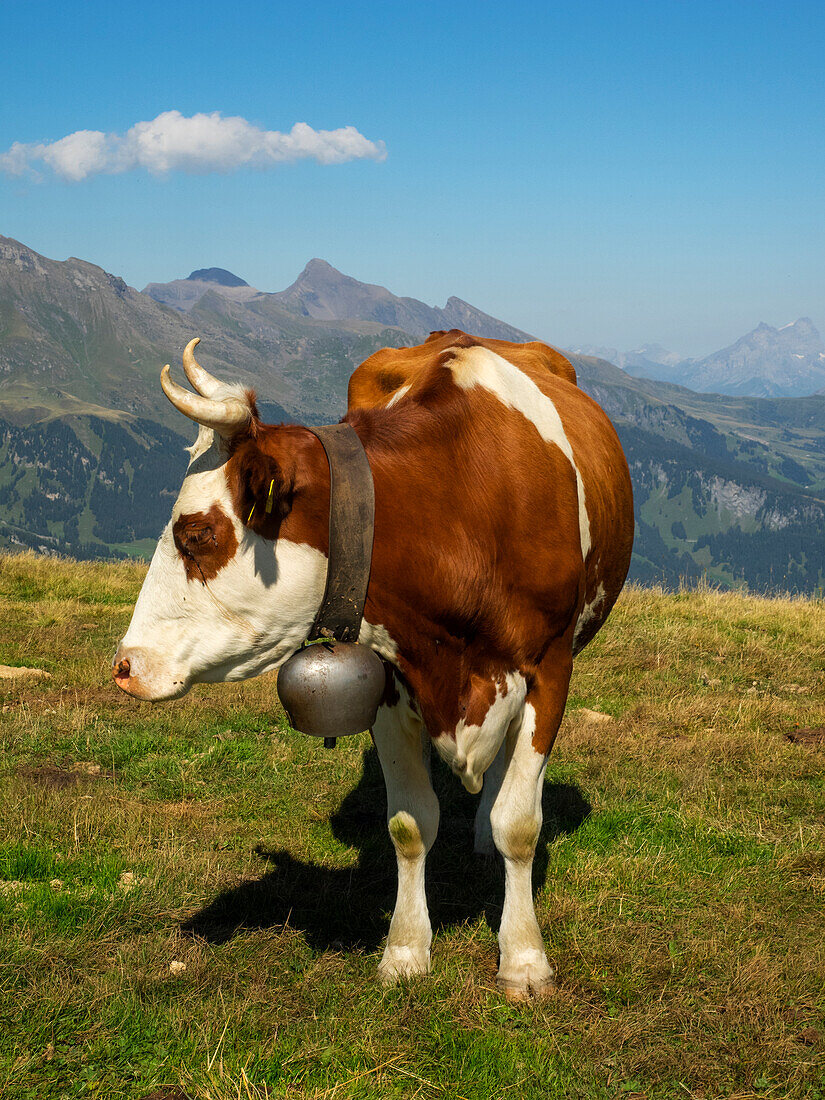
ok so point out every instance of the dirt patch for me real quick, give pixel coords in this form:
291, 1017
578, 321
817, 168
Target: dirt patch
67, 774
810, 1037
106, 695
166, 1094
807, 735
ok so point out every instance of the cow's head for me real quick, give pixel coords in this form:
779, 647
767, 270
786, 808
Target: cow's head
227, 595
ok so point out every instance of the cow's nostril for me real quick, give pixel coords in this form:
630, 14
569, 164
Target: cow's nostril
122, 670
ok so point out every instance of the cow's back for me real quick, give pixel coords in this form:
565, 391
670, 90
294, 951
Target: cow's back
382, 377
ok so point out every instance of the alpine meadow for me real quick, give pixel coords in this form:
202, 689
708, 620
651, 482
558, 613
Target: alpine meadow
194, 897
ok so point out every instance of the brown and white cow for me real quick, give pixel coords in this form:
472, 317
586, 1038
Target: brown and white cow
503, 531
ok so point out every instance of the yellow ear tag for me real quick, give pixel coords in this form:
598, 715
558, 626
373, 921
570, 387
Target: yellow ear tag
269, 498
251, 510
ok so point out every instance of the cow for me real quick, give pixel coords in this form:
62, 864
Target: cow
503, 532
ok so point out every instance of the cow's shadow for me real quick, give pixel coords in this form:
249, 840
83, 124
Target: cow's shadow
350, 907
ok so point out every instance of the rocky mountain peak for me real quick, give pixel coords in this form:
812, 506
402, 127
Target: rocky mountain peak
318, 266
801, 325
766, 362
323, 292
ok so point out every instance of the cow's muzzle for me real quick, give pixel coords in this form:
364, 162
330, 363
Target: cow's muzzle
145, 675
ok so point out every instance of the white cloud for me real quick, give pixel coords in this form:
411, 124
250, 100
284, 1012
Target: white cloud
201, 143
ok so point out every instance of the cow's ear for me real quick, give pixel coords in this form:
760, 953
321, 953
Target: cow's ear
261, 495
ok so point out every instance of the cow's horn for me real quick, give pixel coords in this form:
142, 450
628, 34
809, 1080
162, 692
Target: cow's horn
201, 379
225, 417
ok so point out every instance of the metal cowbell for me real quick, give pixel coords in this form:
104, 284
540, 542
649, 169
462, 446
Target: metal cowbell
332, 689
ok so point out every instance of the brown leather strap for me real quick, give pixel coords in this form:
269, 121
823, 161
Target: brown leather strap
351, 531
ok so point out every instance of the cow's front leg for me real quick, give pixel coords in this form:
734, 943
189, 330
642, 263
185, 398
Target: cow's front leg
412, 816
516, 822
484, 845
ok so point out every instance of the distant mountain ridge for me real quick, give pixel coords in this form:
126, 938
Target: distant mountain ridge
766, 362
323, 293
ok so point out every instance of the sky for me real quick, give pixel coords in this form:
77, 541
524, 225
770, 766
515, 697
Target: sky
595, 173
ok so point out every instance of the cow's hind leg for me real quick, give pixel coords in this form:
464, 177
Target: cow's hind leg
516, 821
412, 816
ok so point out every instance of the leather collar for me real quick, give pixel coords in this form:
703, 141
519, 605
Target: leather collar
351, 533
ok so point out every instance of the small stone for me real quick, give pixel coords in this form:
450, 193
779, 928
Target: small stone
10, 672
595, 716
176, 967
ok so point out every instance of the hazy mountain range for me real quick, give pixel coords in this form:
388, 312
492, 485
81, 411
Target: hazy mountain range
324, 294
767, 362
91, 452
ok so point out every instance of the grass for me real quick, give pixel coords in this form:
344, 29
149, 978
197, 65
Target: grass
680, 876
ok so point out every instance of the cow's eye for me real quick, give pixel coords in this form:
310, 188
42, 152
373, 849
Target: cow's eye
205, 542
198, 536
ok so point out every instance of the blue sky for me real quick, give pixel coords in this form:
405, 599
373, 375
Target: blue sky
602, 173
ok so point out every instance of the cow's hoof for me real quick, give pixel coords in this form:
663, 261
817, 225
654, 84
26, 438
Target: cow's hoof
402, 962
533, 992
529, 982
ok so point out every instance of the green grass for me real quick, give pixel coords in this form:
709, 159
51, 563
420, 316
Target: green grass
24, 403
680, 876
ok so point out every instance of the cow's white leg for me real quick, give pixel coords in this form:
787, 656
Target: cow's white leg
516, 820
484, 843
412, 815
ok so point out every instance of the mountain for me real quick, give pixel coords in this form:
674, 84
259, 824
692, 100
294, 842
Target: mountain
649, 356
183, 294
217, 275
731, 489
767, 362
75, 339
322, 292
91, 453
